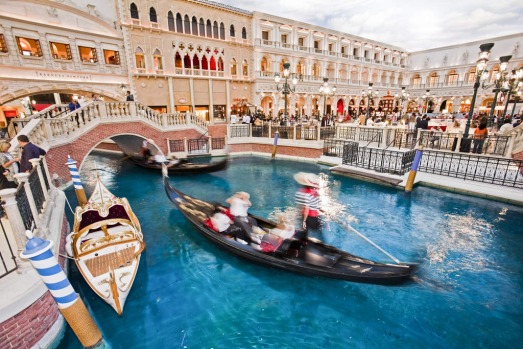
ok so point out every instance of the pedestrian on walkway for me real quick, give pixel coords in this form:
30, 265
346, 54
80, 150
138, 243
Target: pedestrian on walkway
29, 151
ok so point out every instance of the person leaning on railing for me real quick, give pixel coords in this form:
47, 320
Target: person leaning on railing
29, 151
480, 134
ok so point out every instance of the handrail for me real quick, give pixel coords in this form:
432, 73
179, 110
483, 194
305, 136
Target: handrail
372, 140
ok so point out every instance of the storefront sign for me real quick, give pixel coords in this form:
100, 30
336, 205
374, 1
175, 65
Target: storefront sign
182, 100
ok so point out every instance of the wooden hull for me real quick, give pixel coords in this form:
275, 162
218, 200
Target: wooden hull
106, 244
184, 167
310, 258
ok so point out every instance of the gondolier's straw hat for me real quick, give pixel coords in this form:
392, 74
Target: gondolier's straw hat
307, 179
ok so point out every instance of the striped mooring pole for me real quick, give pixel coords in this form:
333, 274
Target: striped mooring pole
412, 175
73, 309
78, 187
276, 134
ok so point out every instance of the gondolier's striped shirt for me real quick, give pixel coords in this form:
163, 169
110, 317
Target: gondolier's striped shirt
308, 198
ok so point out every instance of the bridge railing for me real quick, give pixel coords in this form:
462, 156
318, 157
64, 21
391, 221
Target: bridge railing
25, 207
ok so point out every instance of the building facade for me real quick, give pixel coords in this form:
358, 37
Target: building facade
215, 60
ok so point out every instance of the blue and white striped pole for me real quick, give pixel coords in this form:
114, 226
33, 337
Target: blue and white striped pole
77, 182
39, 253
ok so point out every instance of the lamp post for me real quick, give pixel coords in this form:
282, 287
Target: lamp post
512, 86
369, 94
326, 90
427, 97
481, 66
286, 88
501, 78
400, 98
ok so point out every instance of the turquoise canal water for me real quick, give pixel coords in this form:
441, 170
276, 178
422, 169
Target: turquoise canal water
190, 294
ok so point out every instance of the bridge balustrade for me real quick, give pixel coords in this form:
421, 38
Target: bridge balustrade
24, 208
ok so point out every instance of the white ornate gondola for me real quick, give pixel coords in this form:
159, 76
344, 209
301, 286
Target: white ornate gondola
106, 244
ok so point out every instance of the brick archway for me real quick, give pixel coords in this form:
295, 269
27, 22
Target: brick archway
79, 149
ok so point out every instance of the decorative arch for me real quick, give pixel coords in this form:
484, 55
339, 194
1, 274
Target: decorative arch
202, 27
245, 68
209, 28
222, 31
178, 63
152, 15
195, 62
139, 58
187, 61
194, 23
186, 24
232, 32
179, 23
233, 67
133, 9
215, 30
213, 65
220, 64
244, 33
205, 63
157, 60
170, 21
264, 64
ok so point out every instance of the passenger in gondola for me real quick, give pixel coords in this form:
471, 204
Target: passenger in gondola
146, 151
222, 222
240, 204
308, 200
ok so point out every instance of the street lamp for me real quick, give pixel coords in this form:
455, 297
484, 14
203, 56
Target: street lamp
481, 67
512, 86
369, 94
501, 78
286, 88
400, 98
326, 90
428, 98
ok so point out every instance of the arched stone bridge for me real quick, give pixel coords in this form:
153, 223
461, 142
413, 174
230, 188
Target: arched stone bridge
77, 133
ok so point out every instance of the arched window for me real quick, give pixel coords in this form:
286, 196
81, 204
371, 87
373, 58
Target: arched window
152, 15
232, 33
179, 23
139, 58
178, 61
222, 31
264, 65
245, 68
157, 60
244, 33
202, 27
220, 64
233, 67
195, 62
205, 64
213, 64
187, 61
215, 30
209, 29
186, 25
170, 21
134, 11
194, 26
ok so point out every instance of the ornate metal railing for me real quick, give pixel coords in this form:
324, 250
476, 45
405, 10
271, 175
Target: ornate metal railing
327, 132
218, 143
309, 133
24, 207
44, 175
506, 172
198, 146
176, 145
260, 131
284, 132
492, 144
239, 131
36, 189
335, 147
380, 160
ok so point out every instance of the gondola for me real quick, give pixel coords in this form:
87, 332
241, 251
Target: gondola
310, 257
106, 244
183, 166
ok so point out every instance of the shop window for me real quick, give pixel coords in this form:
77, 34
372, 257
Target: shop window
140, 58
157, 59
61, 51
88, 54
232, 33
111, 57
3, 45
29, 47
134, 11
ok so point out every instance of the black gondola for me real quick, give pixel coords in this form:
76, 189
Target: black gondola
311, 257
183, 166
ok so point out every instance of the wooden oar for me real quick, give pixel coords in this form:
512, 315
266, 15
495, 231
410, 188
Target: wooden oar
371, 242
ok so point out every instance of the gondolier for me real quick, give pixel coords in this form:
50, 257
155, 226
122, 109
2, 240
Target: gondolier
308, 200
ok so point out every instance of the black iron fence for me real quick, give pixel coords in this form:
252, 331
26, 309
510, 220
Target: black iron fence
36, 189
218, 143
260, 131
24, 207
347, 133
506, 172
491, 144
7, 252
198, 146
327, 132
335, 147
176, 145
380, 160
371, 135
